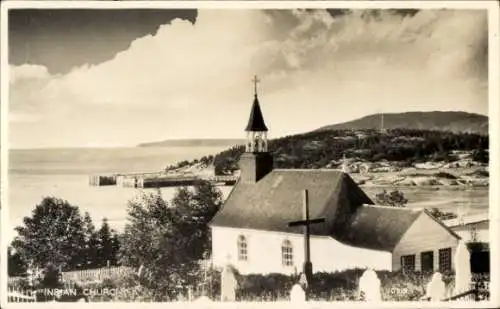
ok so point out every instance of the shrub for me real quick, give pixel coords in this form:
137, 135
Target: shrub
441, 215
394, 198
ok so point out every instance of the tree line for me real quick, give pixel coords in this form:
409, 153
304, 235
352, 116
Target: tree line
317, 149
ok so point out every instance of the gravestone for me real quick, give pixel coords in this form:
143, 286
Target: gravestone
436, 289
228, 284
369, 285
303, 281
462, 269
140, 271
297, 294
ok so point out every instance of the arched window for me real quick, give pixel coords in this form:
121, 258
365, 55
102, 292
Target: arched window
242, 248
287, 253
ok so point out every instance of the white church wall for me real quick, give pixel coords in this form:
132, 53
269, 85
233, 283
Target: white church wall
265, 256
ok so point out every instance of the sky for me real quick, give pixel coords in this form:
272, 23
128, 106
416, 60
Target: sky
109, 78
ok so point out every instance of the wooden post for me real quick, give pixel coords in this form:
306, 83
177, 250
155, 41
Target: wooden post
476, 291
307, 234
306, 222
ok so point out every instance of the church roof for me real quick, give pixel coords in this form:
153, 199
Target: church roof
277, 199
351, 217
256, 120
377, 227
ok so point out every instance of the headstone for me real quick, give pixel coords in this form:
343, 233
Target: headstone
228, 284
436, 289
369, 285
297, 294
303, 281
140, 271
462, 269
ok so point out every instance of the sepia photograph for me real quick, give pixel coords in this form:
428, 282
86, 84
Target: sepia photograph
283, 152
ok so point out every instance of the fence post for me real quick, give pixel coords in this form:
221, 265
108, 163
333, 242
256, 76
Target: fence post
476, 291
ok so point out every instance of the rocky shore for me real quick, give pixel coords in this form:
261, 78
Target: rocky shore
462, 173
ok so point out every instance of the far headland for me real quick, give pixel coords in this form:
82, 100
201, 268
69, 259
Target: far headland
452, 121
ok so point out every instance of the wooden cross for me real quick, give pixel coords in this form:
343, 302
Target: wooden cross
255, 80
306, 222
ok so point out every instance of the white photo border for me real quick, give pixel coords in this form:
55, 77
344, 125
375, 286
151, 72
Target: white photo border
493, 114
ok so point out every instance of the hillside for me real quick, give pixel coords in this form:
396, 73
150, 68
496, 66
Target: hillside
326, 149
194, 143
441, 121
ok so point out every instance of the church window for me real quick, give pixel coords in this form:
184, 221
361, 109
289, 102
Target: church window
408, 262
242, 248
287, 253
427, 261
444, 260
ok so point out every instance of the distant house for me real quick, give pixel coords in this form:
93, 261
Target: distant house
472, 228
251, 230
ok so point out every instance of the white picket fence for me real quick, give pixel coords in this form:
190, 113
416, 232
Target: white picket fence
98, 274
17, 295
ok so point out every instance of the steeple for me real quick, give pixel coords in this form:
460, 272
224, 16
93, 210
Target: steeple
256, 128
256, 121
256, 162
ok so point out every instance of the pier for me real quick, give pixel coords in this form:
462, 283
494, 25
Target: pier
158, 180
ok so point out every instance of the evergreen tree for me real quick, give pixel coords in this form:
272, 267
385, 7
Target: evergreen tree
105, 248
91, 242
115, 249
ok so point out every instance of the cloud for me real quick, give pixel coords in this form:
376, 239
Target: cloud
27, 72
191, 80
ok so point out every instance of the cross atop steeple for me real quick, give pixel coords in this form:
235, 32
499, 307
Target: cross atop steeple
255, 80
256, 162
256, 120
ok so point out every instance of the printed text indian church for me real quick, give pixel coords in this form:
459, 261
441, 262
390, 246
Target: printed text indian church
251, 230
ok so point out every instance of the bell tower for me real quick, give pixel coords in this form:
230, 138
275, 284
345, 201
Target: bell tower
256, 162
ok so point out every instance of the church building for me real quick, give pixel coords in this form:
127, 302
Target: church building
252, 233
